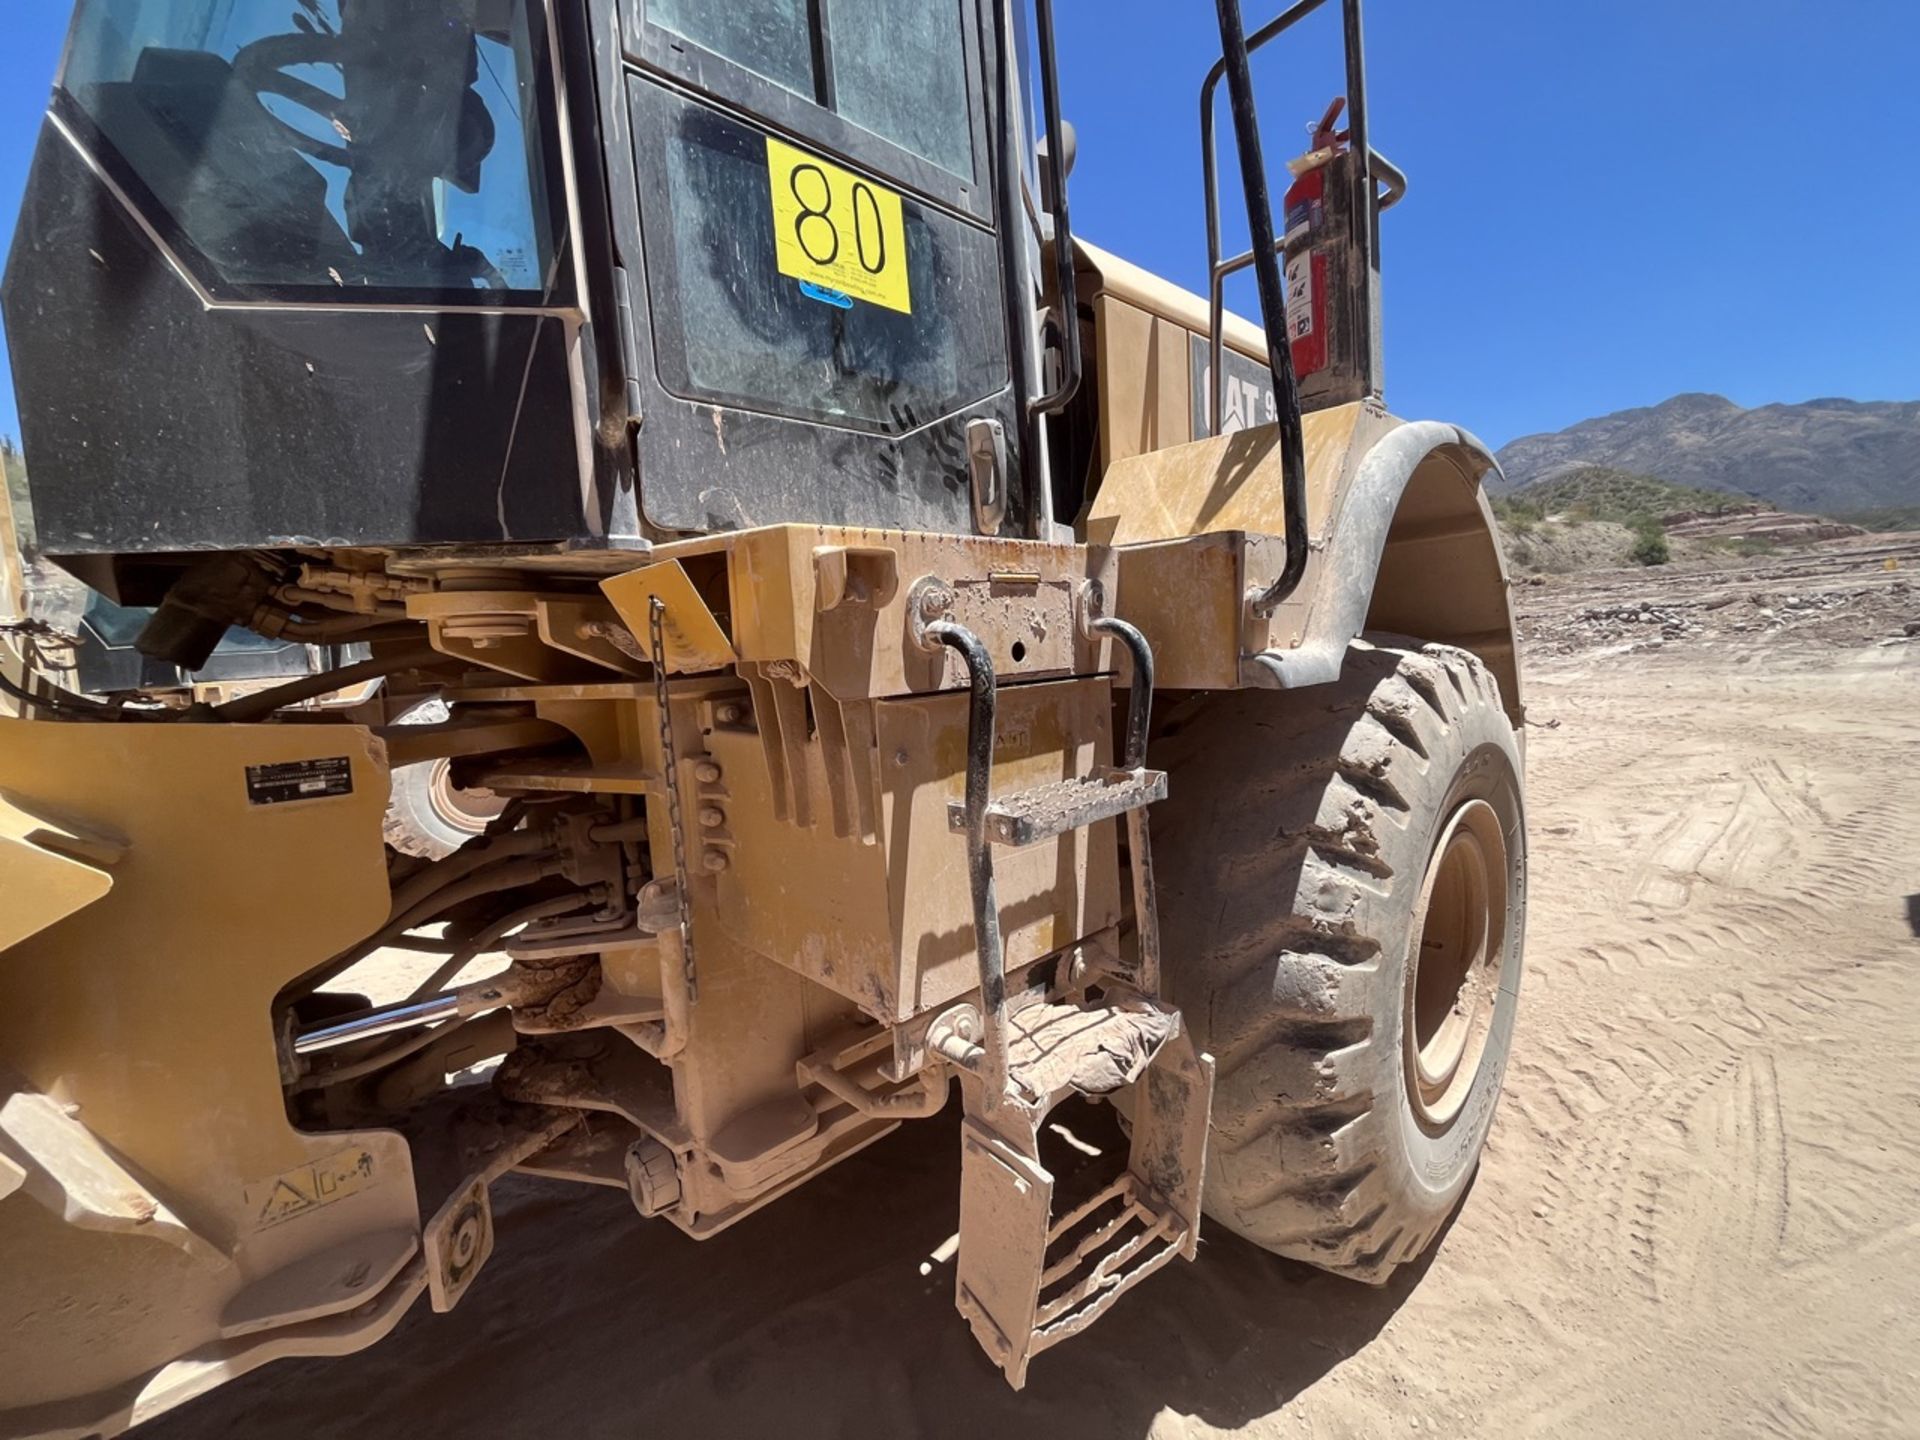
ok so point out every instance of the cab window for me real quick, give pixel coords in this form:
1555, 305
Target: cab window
896, 68
308, 144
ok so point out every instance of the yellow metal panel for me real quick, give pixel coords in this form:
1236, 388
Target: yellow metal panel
1145, 387
1186, 597
890, 924
1232, 482
691, 637
863, 649
1050, 894
1109, 275
47, 871
149, 1013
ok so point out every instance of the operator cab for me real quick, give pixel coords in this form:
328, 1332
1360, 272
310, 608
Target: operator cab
587, 275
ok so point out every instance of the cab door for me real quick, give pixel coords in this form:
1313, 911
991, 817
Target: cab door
809, 253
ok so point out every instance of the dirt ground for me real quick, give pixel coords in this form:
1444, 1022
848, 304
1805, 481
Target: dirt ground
1699, 1213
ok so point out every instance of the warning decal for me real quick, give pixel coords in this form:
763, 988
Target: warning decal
299, 780
310, 1187
1300, 278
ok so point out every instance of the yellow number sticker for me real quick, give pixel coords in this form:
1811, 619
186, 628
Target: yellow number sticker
836, 230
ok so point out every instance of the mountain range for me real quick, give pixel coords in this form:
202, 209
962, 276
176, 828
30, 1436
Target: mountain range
1830, 457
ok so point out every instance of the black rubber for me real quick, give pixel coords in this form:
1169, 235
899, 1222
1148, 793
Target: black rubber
414, 823
1290, 854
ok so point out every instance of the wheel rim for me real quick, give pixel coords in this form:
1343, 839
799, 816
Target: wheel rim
1453, 967
467, 811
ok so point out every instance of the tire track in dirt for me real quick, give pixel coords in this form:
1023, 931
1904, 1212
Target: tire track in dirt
1735, 921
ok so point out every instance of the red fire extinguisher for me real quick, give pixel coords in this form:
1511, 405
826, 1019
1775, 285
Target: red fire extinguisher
1308, 243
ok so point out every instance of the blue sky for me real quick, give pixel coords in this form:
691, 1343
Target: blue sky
1611, 203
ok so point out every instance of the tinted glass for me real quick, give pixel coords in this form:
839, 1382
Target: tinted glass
297, 143
768, 37
899, 70
729, 326
896, 68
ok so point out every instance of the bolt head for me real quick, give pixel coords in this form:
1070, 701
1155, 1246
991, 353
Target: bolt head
706, 772
728, 714
716, 861
712, 817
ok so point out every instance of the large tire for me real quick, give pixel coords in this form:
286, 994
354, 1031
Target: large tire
1314, 846
427, 815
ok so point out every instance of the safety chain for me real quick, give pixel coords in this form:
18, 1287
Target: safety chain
670, 768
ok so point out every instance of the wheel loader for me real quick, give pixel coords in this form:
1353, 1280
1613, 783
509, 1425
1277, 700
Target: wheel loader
911, 649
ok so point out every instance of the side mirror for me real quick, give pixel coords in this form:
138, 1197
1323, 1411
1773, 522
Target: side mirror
1069, 146
1069, 152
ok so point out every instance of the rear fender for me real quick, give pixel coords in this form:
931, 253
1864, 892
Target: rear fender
1412, 548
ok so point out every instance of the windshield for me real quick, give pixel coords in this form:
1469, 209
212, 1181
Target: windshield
390, 144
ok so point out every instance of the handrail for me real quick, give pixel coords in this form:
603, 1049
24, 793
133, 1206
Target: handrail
1273, 305
1393, 178
1064, 279
1374, 171
1210, 176
983, 692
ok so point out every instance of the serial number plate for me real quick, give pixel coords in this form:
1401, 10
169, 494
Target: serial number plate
836, 230
299, 780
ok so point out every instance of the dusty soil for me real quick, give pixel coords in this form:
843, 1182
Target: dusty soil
1699, 1212
1861, 590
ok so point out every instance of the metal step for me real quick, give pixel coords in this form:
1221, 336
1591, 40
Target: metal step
1026, 1279
1060, 1047
1049, 810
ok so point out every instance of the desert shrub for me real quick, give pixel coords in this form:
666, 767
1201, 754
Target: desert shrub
1650, 543
1517, 516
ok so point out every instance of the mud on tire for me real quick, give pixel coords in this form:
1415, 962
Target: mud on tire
1342, 889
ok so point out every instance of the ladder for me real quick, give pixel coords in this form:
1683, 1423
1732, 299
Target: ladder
1027, 1279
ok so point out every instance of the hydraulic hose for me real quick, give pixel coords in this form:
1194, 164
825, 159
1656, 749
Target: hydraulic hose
77, 707
263, 703
485, 881
62, 702
462, 863
488, 938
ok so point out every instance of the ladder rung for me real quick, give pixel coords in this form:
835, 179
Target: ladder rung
1107, 1273
1093, 1240
1049, 810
